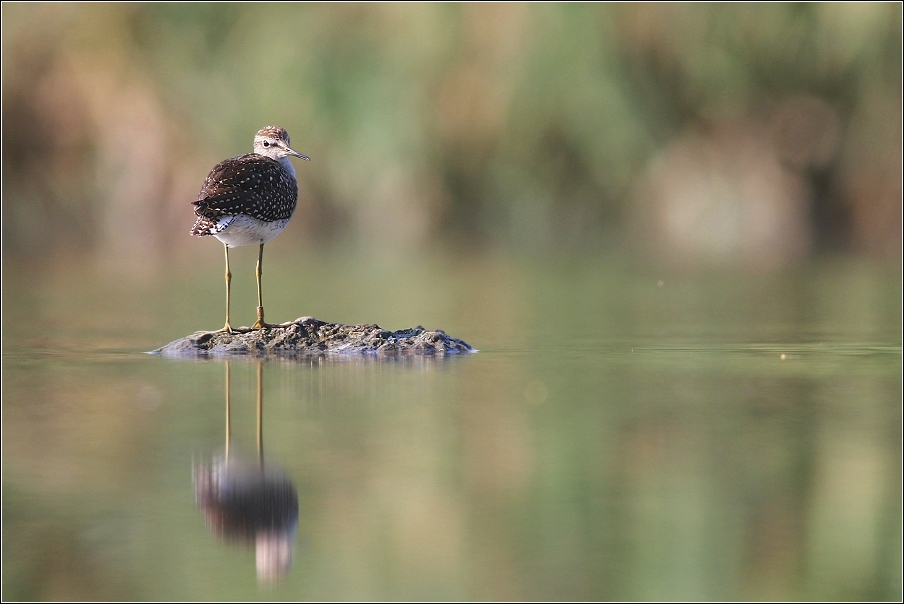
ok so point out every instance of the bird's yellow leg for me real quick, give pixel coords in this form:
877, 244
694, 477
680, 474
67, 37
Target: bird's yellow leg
259, 324
227, 328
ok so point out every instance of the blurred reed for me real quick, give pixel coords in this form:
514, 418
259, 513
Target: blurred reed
713, 134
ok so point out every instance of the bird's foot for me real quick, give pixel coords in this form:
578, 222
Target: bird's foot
259, 324
233, 330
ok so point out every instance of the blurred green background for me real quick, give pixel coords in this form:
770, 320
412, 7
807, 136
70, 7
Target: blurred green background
713, 134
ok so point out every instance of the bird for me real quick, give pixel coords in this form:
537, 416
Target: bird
249, 200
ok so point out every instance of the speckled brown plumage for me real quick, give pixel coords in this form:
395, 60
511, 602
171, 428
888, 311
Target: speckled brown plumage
250, 184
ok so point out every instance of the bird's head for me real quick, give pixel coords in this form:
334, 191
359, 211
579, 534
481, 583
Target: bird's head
273, 142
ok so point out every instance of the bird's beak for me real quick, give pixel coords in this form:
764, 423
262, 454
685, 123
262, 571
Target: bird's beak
292, 151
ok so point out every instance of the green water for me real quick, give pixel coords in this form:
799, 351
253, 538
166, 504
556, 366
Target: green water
622, 434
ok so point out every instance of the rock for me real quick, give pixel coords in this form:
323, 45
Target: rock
309, 336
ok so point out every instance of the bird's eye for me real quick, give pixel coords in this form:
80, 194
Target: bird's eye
266, 143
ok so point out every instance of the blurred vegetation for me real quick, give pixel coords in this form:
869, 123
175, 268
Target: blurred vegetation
699, 133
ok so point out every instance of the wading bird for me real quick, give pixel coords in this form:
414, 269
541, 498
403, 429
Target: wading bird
248, 200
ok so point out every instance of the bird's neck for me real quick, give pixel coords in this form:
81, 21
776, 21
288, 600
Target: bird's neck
287, 164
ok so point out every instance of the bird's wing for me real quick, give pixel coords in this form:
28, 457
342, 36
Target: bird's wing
249, 184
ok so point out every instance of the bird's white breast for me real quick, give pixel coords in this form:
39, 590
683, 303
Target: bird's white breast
240, 230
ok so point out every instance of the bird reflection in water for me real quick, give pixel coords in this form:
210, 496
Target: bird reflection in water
249, 502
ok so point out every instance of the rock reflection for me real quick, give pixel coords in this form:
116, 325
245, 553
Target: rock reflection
247, 501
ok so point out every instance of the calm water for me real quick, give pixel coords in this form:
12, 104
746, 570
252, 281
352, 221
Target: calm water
622, 434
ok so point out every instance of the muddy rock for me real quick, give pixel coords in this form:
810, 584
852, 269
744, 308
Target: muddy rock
310, 336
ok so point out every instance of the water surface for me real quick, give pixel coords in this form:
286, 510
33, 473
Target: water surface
622, 434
